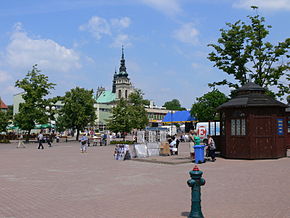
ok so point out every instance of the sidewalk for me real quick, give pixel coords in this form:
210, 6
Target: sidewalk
62, 182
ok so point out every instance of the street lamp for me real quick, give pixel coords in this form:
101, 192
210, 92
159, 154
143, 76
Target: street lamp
50, 109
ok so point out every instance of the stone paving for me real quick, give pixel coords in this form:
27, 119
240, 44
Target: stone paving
62, 182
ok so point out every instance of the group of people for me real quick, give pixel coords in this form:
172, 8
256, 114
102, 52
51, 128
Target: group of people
210, 146
42, 139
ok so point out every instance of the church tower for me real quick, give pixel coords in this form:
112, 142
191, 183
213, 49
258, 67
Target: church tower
121, 82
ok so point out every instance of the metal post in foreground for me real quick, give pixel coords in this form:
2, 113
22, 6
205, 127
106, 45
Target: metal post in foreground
195, 183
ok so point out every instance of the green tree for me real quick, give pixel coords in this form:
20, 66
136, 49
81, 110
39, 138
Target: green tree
3, 121
137, 113
10, 112
205, 107
120, 119
32, 111
173, 105
129, 114
78, 110
243, 50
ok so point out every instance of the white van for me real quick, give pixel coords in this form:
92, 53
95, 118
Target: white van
203, 129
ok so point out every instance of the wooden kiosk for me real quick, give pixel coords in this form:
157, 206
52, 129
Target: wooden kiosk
288, 123
253, 125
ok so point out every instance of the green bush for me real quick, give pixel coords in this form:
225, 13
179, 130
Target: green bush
4, 141
121, 142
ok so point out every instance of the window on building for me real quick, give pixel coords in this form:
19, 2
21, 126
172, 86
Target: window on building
126, 94
238, 127
214, 128
120, 94
280, 126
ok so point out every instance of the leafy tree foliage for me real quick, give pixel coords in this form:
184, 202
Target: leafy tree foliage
32, 111
173, 105
243, 50
78, 110
120, 119
137, 112
3, 121
205, 107
10, 112
128, 115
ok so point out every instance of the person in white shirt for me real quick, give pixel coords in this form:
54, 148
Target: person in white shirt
172, 146
83, 141
40, 140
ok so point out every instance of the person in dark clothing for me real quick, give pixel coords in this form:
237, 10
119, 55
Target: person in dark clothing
49, 139
104, 139
176, 145
211, 147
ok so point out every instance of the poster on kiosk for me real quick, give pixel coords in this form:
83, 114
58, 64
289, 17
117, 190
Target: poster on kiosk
203, 129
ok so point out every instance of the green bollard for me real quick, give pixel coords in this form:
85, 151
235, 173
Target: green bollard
195, 182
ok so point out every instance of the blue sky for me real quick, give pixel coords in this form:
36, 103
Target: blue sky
78, 42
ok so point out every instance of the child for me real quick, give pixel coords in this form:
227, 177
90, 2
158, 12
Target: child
83, 141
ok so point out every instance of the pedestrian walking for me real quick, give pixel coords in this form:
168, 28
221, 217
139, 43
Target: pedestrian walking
104, 139
40, 140
20, 142
50, 139
191, 144
83, 141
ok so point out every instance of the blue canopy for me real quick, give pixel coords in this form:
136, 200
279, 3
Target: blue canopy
178, 117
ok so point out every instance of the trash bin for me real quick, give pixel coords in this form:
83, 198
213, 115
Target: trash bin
199, 153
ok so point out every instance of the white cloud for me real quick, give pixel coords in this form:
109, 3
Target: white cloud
121, 39
4, 76
264, 4
170, 7
124, 22
187, 34
97, 26
100, 27
23, 52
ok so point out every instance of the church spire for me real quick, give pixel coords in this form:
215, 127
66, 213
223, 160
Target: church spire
122, 69
122, 51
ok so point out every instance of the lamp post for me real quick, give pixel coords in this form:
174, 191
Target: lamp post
50, 110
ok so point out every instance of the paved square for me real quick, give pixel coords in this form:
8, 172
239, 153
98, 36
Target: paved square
62, 182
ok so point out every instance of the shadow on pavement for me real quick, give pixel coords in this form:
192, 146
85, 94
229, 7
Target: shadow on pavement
185, 214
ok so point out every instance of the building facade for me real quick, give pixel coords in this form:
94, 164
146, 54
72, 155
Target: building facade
121, 88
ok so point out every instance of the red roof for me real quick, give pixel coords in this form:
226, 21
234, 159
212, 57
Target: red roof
3, 105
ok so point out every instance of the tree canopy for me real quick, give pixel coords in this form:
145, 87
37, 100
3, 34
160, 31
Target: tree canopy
3, 121
78, 110
173, 105
204, 109
129, 114
36, 87
243, 50
137, 112
120, 119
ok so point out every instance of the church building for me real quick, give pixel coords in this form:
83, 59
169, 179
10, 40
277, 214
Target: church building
121, 88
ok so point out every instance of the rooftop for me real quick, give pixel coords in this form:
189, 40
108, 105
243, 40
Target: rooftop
251, 95
3, 105
106, 97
